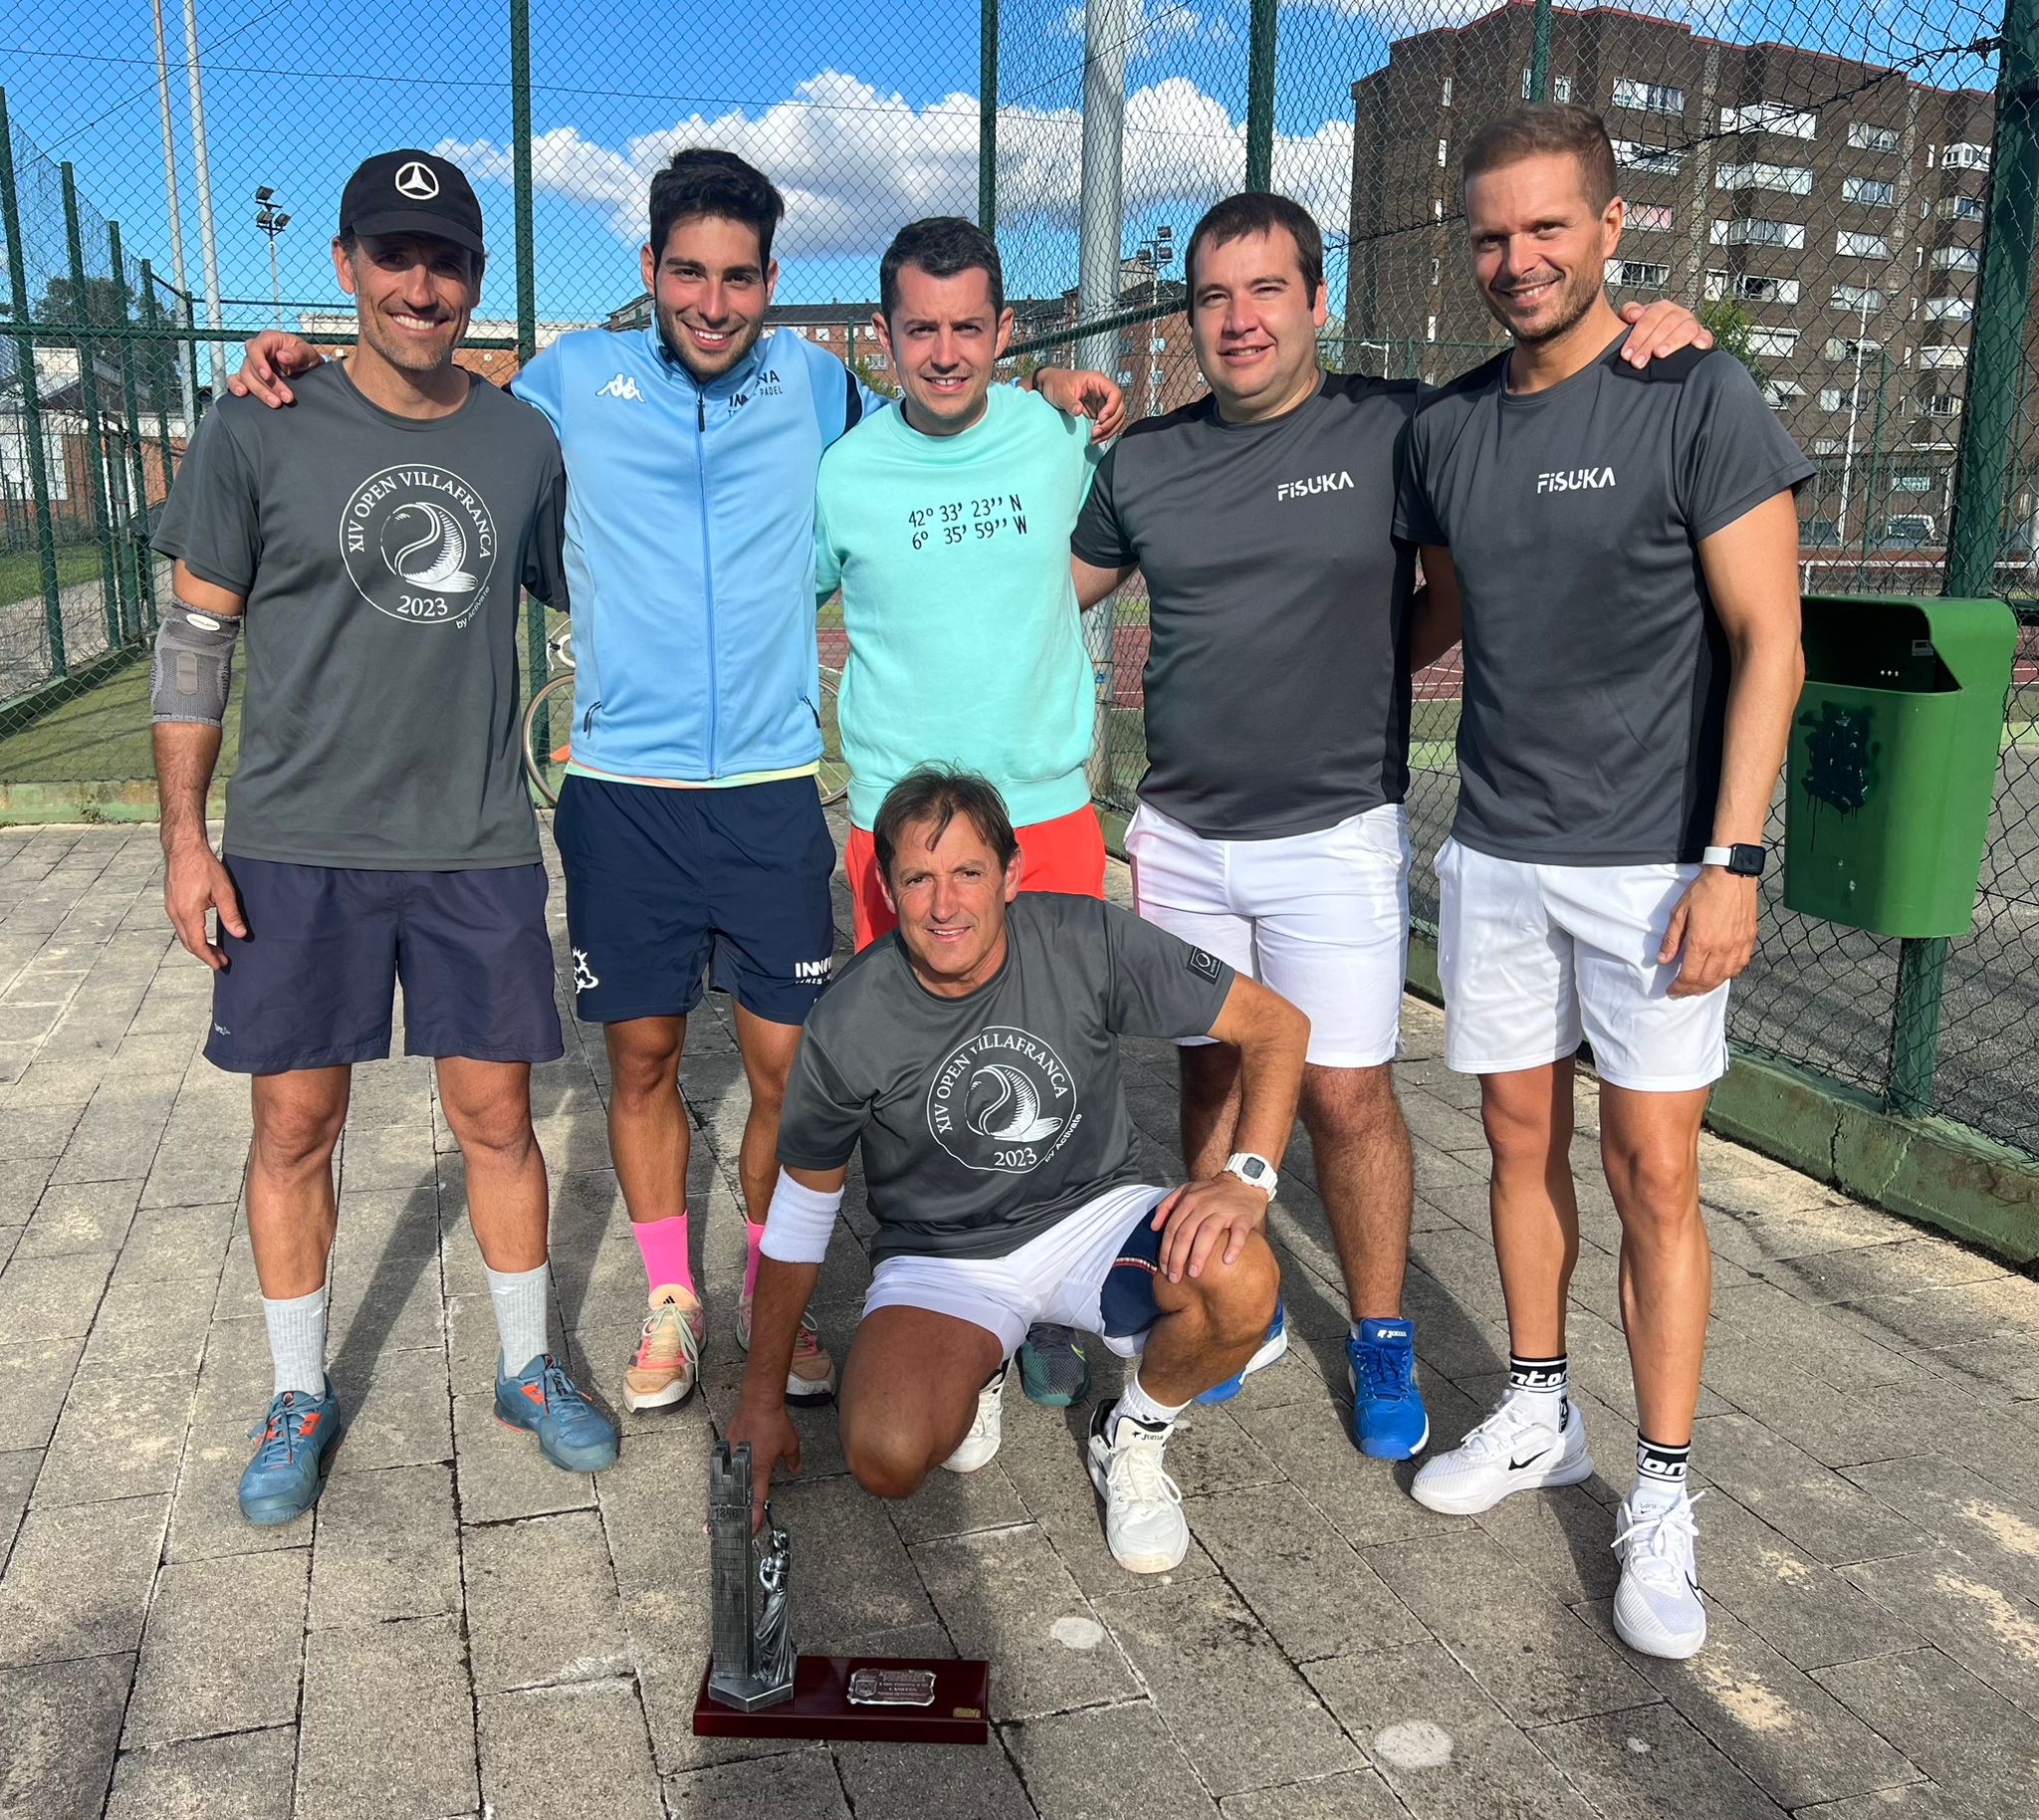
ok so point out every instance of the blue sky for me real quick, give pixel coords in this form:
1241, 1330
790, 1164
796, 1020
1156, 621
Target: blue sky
865, 115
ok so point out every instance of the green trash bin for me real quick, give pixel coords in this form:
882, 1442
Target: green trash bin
1893, 759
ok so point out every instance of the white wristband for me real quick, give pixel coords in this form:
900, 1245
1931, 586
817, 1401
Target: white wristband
800, 1222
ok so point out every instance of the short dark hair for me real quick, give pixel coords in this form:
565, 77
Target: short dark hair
1259, 212
1542, 128
702, 181
942, 246
940, 792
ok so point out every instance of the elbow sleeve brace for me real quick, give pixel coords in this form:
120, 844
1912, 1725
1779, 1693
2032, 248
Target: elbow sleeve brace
194, 667
799, 1221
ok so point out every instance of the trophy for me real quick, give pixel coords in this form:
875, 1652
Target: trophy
757, 1684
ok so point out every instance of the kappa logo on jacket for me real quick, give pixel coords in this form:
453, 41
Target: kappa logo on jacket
621, 386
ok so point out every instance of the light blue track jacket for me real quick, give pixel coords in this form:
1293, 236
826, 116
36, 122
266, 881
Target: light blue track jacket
690, 548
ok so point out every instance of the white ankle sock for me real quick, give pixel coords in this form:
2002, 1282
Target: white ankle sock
1135, 1402
520, 1301
297, 1342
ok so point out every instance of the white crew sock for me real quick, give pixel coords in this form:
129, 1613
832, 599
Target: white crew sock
297, 1342
520, 1300
1135, 1402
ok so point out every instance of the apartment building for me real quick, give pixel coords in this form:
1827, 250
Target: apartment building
1838, 204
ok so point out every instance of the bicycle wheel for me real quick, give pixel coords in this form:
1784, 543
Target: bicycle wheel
833, 780
548, 726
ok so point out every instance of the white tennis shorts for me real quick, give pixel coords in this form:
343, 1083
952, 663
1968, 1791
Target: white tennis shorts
1057, 1277
1321, 918
1534, 957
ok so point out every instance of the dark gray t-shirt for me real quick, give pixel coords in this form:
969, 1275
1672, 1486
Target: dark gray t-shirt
381, 559
1596, 669
986, 1119
1277, 676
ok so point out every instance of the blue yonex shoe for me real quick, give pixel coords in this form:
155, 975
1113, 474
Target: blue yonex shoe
1052, 1369
1271, 1348
571, 1433
288, 1472
1389, 1421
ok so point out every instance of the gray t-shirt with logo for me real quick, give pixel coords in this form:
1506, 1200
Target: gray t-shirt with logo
1277, 673
382, 560
986, 1119
1596, 669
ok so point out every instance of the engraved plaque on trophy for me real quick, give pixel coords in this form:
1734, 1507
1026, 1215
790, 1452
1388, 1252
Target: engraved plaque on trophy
757, 1684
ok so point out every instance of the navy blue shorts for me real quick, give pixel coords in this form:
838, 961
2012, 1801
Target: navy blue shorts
312, 983
665, 886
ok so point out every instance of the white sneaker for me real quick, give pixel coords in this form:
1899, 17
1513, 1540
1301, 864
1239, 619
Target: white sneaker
986, 1431
1511, 1450
1143, 1508
1656, 1607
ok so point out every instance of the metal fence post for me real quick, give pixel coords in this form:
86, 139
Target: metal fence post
138, 513
89, 401
1260, 31
151, 316
988, 115
31, 401
526, 300
1995, 358
1539, 53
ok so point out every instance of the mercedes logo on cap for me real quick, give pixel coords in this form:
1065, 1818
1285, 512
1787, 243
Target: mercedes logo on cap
416, 181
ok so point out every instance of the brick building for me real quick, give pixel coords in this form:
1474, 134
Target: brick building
1838, 205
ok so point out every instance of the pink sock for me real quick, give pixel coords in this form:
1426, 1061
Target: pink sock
754, 1237
664, 1244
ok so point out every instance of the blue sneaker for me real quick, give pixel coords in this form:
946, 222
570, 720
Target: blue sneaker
288, 1472
571, 1433
1389, 1421
1271, 1348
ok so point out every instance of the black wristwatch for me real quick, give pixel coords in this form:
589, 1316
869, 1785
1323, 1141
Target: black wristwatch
1742, 859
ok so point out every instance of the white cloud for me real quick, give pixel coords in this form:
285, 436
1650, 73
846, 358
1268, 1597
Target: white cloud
855, 162
1149, 23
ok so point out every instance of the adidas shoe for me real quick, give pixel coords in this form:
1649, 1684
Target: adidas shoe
986, 1428
1144, 1523
1511, 1450
1658, 1610
811, 1378
668, 1357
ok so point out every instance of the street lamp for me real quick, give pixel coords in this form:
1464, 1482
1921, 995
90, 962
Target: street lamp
271, 221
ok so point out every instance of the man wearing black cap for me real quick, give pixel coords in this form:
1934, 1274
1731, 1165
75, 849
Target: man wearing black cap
377, 826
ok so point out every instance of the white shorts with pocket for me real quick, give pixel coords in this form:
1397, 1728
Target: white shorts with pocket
1532, 957
1321, 918
1057, 1277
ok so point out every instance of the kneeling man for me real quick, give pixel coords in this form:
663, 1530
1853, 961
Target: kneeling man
973, 1055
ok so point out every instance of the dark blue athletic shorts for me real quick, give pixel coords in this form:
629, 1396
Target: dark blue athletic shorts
665, 887
312, 983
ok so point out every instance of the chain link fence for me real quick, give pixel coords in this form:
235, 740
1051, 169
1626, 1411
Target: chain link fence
1845, 196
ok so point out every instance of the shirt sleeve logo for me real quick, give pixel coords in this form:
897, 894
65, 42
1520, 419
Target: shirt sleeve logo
1002, 1101
1209, 965
419, 544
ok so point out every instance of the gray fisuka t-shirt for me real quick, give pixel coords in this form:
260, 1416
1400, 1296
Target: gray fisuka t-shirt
986, 1119
381, 559
1596, 669
1278, 674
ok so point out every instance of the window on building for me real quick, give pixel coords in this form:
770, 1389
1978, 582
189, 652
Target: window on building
1865, 137
1960, 208
1845, 347
1447, 91
1652, 217
1940, 404
1525, 84
1444, 152
1637, 272
1826, 445
1786, 179
1958, 259
1779, 392
1911, 483
1948, 309
1437, 208
1751, 288
1431, 334
1662, 158
1561, 89
1857, 296
1125, 376
1941, 354
1651, 98
1862, 246
1436, 271
1965, 155
1837, 397
1869, 192
1159, 344
1774, 342
1770, 116
1755, 232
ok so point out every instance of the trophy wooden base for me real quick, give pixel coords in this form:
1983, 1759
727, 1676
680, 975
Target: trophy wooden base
822, 1707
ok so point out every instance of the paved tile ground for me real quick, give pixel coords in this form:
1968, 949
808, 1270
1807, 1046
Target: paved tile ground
463, 1630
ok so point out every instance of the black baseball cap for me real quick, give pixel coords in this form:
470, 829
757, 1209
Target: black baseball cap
412, 192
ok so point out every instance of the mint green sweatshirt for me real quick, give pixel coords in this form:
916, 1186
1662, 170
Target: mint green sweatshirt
965, 644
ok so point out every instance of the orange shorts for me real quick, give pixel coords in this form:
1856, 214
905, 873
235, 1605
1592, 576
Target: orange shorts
1065, 854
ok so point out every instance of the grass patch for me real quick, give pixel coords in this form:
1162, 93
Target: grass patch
101, 736
21, 570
